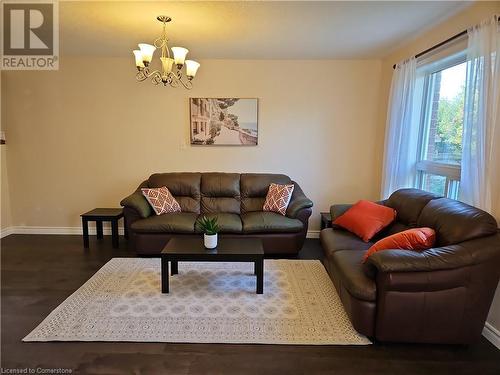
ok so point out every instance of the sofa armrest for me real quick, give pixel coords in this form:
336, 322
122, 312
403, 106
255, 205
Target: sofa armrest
138, 202
298, 202
337, 210
435, 305
441, 295
467, 253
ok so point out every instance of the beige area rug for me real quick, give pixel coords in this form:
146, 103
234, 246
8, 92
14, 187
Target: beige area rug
208, 303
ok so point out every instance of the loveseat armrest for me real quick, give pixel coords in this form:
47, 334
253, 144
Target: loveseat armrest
298, 202
137, 202
337, 210
441, 295
467, 253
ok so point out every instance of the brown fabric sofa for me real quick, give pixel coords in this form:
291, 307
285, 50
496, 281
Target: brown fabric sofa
236, 199
441, 295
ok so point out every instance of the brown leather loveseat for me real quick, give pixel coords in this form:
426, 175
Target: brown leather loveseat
441, 295
236, 199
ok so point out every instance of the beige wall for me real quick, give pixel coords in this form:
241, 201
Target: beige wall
87, 135
6, 215
471, 16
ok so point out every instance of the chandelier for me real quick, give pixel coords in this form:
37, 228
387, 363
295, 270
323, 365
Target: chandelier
171, 68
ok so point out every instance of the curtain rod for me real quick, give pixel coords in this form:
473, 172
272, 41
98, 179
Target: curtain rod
456, 36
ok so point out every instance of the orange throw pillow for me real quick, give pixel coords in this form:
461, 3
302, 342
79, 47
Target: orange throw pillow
365, 219
412, 239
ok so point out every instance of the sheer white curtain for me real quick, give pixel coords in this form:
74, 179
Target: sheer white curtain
401, 134
480, 176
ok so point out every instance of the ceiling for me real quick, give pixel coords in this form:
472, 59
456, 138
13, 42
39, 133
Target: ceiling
250, 30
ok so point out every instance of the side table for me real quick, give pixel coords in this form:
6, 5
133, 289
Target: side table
99, 215
326, 220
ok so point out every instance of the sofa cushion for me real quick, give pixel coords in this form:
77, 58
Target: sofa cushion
179, 222
185, 187
333, 240
228, 223
254, 187
216, 184
269, 222
350, 274
456, 222
252, 204
220, 204
408, 204
392, 228
220, 192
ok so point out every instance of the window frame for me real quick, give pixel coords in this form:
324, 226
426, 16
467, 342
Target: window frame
450, 171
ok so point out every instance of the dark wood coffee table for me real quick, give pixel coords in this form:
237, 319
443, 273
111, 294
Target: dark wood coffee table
228, 250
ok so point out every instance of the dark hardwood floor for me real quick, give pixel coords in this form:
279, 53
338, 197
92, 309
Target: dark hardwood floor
40, 271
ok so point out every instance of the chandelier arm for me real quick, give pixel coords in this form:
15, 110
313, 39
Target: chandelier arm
145, 73
187, 84
142, 75
173, 81
156, 78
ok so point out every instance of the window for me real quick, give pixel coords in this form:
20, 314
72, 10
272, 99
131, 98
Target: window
442, 93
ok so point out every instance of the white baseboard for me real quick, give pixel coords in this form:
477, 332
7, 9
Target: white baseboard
492, 334
313, 234
4, 232
78, 230
53, 230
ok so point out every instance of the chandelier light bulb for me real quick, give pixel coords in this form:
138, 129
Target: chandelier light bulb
138, 59
147, 51
191, 68
179, 55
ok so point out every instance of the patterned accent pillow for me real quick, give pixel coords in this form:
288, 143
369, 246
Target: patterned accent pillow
162, 201
278, 197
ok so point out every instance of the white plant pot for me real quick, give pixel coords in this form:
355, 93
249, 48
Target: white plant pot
210, 241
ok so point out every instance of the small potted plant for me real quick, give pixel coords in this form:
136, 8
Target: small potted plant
210, 229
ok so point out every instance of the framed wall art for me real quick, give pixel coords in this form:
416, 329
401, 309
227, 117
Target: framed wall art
224, 121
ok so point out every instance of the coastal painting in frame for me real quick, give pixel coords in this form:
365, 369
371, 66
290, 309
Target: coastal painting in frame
224, 121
